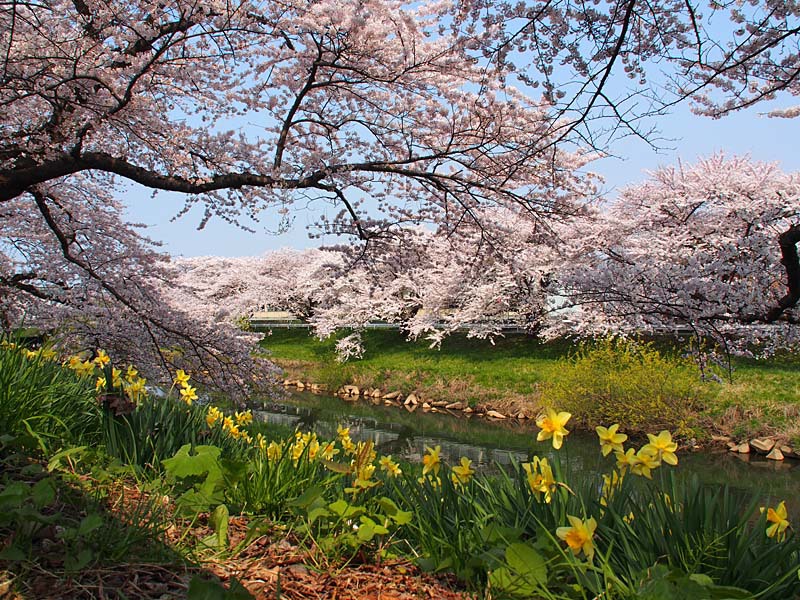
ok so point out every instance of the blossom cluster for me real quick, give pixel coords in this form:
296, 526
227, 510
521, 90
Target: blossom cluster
131, 383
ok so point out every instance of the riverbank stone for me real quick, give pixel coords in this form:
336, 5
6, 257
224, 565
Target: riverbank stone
762, 445
775, 454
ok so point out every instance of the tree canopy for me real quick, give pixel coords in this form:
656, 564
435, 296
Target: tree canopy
397, 113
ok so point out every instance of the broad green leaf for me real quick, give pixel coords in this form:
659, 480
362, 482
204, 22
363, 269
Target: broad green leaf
345, 510
317, 512
204, 460
219, 522
75, 563
89, 523
12, 553
526, 561
43, 493
308, 498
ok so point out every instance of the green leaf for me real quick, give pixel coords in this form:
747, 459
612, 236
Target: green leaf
345, 510
204, 460
12, 553
402, 517
14, 495
89, 523
388, 505
219, 522
366, 531
527, 562
77, 563
317, 512
525, 574
336, 467
309, 497
43, 493
192, 502
391, 510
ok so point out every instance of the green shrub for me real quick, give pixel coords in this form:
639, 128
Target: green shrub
615, 380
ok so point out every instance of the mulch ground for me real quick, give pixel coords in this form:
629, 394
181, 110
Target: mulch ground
270, 567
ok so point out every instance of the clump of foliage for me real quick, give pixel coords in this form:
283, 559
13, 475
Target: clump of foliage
626, 381
42, 400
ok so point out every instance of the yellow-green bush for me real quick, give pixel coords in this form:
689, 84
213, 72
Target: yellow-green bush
615, 380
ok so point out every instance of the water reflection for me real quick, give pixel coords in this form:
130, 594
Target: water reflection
406, 435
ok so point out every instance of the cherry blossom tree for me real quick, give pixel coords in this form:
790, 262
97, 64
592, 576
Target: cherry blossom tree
711, 246
427, 283
609, 66
244, 107
78, 269
398, 114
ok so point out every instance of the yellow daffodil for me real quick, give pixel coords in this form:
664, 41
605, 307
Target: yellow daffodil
364, 475
540, 478
611, 483
313, 448
342, 432
610, 440
392, 468
136, 390
261, 442
431, 461
552, 426
47, 353
626, 460
131, 373
662, 447
81, 367
462, 473
188, 394
328, 451
779, 519
243, 418
274, 452
181, 378
102, 359
347, 445
579, 535
227, 423
297, 449
116, 378
100, 384
213, 416
645, 462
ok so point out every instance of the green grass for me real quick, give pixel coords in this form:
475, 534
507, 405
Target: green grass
762, 399
517, 364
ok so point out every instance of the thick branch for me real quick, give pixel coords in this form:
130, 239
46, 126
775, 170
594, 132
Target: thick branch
791, 263
14, 183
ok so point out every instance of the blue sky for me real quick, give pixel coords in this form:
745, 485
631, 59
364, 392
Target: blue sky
688, 137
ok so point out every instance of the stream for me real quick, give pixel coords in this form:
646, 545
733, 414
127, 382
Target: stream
405, 435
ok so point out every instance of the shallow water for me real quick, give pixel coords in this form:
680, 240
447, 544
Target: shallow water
405, 435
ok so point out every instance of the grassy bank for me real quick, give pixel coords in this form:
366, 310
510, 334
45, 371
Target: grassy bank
518, 372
